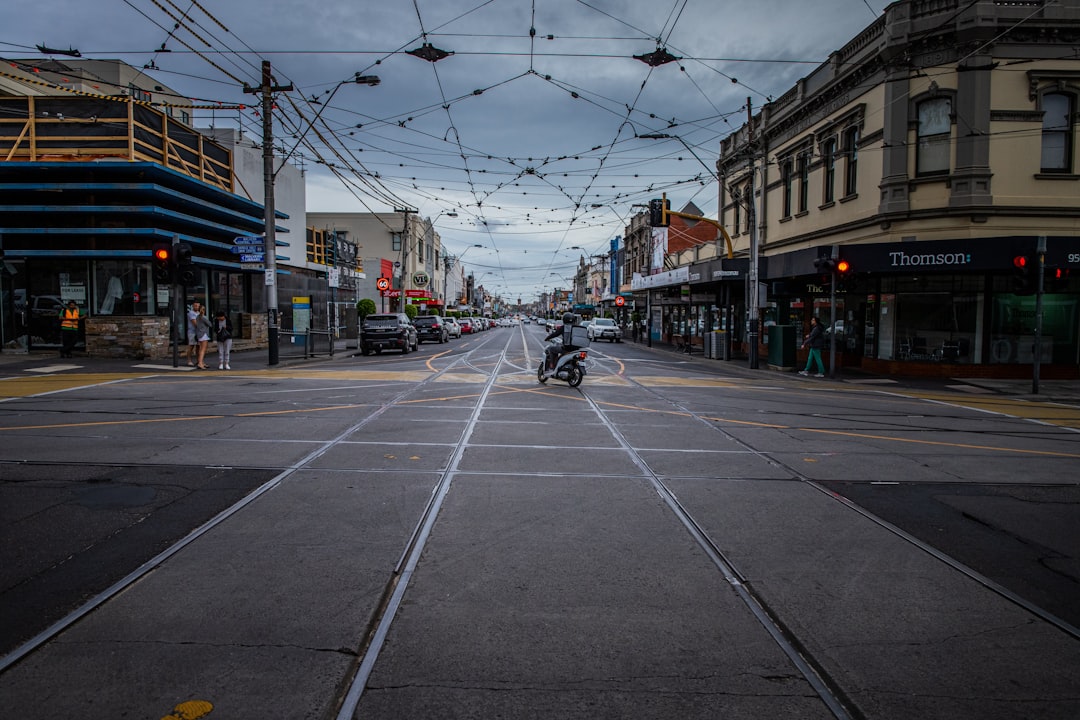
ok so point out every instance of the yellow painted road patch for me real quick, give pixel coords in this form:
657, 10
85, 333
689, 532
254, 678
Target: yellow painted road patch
19, 387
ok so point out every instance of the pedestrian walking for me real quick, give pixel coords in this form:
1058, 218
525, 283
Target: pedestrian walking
815, 340
192, 333
69, 328
202, 335
223, 335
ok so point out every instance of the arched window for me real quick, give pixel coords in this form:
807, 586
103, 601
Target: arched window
1057, 132
934, 135
804, 180
828, 163
851, 167
787, 172
736, 202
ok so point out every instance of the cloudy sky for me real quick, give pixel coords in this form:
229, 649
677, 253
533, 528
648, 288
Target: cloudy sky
529, 131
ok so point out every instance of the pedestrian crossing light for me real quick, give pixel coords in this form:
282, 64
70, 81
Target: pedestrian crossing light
186, 272
162, 254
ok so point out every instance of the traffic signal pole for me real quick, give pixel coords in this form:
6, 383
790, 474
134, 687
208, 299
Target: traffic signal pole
176, 309
1040, 266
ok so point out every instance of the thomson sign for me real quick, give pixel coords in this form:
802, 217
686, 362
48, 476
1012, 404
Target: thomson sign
899, 258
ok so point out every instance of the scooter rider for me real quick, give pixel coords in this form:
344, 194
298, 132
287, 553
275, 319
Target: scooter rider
553, 351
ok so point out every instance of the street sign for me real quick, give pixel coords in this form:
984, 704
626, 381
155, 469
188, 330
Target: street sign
252, 266
383, 283
237, 249
253, 258
249, 240
620, 301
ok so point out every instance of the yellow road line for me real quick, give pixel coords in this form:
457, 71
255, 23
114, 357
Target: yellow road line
939, 443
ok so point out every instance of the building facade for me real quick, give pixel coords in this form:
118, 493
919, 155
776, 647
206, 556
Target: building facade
931, 152
134, 173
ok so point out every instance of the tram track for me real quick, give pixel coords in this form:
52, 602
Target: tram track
829, 691
488, 360
101, 598
831, 694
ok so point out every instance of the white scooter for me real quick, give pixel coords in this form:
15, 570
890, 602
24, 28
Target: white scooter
569, 367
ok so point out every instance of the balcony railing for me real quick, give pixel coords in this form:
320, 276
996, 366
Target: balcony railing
57, 129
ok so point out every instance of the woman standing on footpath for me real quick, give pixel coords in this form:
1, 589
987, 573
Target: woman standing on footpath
202, 335
192, 334
816, 340
223, 335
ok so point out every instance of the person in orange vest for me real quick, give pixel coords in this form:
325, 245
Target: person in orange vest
69, 328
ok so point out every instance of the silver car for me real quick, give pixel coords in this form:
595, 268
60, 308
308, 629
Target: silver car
605, 329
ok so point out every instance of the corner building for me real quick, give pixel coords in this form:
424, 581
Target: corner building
930, 152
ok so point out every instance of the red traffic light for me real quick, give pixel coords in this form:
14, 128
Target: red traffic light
162, 254
1020, 261
842, 266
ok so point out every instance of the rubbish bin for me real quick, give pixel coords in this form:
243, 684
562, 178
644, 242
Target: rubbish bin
782, 347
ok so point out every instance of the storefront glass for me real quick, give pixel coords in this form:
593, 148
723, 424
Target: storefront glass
50, 286
122, 287
933, 318
1012, 329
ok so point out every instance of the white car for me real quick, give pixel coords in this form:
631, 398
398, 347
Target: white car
453, 329
605, 329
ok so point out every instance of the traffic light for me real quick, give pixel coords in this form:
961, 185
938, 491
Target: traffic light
843, 272
186, 272
658, 213
162, 254
1024, 281
1057, 279
825, 265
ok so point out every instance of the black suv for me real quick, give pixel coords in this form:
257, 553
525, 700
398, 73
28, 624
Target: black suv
431, 327
387, 330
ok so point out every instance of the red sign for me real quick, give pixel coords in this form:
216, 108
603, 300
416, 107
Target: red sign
390, 293
383, 283
620, 301
416, 293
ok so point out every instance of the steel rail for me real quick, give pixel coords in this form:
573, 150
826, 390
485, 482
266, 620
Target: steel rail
406, 566
815, 676
32, 644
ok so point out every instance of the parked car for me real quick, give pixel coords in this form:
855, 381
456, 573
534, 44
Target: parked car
387, 331
431, 327
466, 326
605, 329
453, 327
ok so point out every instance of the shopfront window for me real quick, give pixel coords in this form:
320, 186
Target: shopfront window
50, 286
932, 319
1012, 329
122, 287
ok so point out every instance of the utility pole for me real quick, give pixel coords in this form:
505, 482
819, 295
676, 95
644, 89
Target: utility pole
405, 212
751, 215
270, 247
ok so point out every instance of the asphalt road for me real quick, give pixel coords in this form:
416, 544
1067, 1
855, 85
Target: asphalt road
438, 534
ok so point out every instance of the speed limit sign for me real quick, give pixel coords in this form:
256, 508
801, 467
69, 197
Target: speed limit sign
620, 301
383, 283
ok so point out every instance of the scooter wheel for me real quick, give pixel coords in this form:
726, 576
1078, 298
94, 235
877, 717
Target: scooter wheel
574, 376
540, 373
